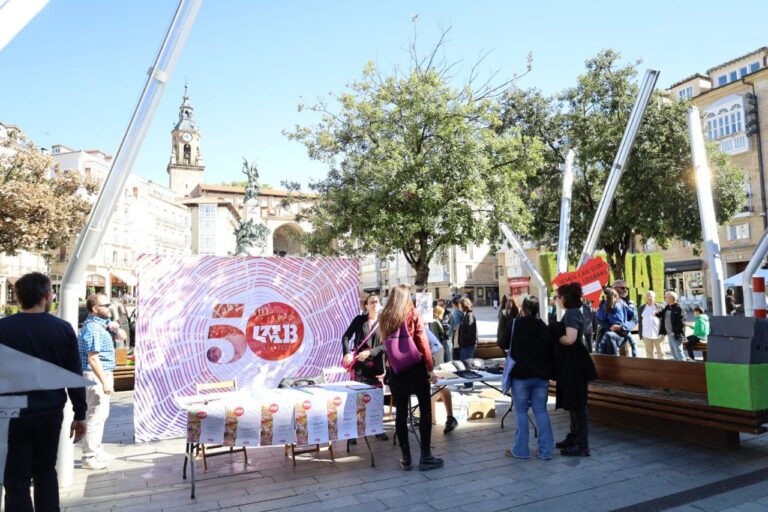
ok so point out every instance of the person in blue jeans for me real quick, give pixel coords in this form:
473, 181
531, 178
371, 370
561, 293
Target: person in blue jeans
612, 317
534, 366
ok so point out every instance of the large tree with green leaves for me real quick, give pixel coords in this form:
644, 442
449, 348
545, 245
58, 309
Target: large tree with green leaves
656, 198
416, 164
41, 207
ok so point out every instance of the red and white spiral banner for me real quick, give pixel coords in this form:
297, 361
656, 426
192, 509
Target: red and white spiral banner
257, 320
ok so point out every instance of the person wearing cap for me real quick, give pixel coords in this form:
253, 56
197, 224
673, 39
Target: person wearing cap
631, 323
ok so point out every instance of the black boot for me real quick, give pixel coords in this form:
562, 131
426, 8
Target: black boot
575, 450
427, 461
405, 457
569, 440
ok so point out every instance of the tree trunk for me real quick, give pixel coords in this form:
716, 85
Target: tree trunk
422, 276
616, 263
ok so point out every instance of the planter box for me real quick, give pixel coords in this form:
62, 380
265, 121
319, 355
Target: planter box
737, 386
738, 340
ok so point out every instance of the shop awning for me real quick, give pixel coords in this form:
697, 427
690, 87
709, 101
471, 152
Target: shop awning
682, 266
736, 280
127, 277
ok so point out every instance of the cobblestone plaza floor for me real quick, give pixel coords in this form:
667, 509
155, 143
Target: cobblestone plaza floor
626, 468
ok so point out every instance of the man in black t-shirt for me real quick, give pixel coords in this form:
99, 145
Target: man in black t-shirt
33, 437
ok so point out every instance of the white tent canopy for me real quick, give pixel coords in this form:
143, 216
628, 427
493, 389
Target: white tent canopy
736, 280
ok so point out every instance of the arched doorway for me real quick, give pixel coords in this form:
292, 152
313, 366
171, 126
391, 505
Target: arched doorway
286, 240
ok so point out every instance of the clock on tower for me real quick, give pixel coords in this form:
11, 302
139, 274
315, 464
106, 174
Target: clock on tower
185, 169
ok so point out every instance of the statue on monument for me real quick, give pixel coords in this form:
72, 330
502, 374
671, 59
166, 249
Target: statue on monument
250, 234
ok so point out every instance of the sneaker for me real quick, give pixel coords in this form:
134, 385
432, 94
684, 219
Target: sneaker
383, 436
450, 425
94, 463
105, 456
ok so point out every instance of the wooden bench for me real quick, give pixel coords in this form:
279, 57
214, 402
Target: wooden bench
669, 398
124, 377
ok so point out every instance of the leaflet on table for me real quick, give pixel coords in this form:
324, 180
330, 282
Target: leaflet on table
312, 417
212, 422
243, 425
370, 412
342, 414
277, 419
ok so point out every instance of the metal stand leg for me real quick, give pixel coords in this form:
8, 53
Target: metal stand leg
369, 450
189, 457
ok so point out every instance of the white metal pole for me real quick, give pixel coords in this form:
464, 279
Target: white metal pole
101, 213
754, 263
565, 213
517, 246
630, 133
707, 210
14, 16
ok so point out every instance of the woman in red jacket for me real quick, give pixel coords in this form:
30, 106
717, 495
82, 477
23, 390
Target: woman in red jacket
415, 379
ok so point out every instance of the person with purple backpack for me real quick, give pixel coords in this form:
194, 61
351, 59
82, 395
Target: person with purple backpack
410, 371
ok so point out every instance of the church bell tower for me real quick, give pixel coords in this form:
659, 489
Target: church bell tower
185, 169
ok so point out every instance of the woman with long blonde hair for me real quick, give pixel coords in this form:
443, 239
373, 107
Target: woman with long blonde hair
400, 326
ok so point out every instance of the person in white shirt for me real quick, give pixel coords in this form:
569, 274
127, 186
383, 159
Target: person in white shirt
649, 327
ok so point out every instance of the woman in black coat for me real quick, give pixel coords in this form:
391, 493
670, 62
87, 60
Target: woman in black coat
369, 356
573, 370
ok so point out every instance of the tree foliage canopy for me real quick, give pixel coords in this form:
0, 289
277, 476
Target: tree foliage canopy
415, 165
656, 198
41, 207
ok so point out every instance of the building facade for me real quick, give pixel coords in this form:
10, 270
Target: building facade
472, 271
733, 100
146, 219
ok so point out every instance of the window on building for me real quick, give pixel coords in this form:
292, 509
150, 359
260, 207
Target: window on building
743, 71
747, 197
62, 254
686, 93
468, 268
733, 76
722, 80
727, 121
738, 231
754, 67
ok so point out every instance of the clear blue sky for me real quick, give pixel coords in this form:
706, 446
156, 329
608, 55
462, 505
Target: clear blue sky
73, 75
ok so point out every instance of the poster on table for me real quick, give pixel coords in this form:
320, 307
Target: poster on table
312, 418
254, 319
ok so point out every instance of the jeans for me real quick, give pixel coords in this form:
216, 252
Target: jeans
676, 346
98, 412
448, 349
33, 443
532, 393
609, 343
464, 354
632, 343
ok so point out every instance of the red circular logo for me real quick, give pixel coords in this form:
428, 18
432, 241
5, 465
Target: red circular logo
337, 401
202, 415
307, 405
239, 411
366, 398
274, 408
275, 331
